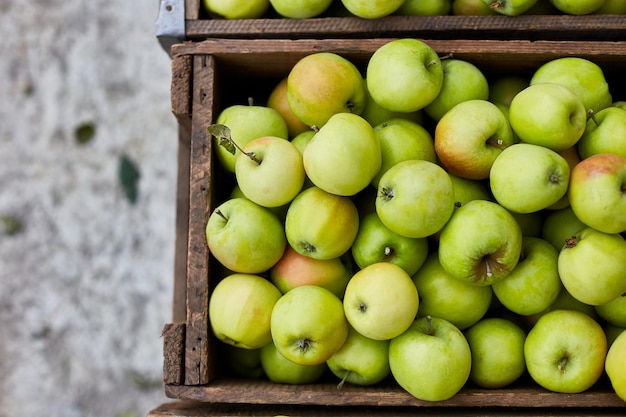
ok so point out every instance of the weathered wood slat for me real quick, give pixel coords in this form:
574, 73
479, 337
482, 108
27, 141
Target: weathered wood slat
173, 353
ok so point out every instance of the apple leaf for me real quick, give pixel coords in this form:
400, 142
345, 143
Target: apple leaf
222, 132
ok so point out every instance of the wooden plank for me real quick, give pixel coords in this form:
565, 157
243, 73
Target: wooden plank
173, 353
192, 10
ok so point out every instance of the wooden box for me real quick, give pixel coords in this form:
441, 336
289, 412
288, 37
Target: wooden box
209, 75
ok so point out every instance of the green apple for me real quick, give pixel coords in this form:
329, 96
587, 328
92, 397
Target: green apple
573, 158
375, 242
577, 7
559, 225
615, 365
431, 360
526, 178
497, 347
281, 370
564, 301
381, 301
402, 139
415, 198
294, 270
308, 325
481, 243
443, 295
237, 9
504, 88
277, 100
534, 284
614, 312
470, 136
466, 190
612, 7
425, 8
404, 75
367, 9
596, 192
245, 237
530, 223
462, 81
565, 351
344, 155
245, 123
584, 77
360, 360
612, 332
471, 8
242, 362
592, 266
605, 133
375, 114
300, 9
549, 115
322, 84
320, 224
302, 140
240, 310
510, 7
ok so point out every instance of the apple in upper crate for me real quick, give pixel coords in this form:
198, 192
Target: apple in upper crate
425, 8
604, 133
471, 8
300, 9
577, 7
510, 7
612, 7
614, 312
615, 365
368, 9
559, 225
237, 9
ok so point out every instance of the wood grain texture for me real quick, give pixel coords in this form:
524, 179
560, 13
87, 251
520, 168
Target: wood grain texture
173, 353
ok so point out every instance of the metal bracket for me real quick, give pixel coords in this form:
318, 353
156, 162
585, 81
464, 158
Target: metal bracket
170, 24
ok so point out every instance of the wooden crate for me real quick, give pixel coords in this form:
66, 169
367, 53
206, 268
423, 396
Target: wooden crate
210, 75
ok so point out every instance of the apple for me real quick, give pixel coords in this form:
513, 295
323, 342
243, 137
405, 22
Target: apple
612, 332
614, 312
612, 7
534, 284
504, 88
237, 9
565, 351
615, 365
347, 141
605, 133
375, 114
578, 7
322, 84
242, 362
549, 115
302, 140
425, 8
308, 325
526, 178
470, 136
431, 360
269, 171
380, 301
404, 75
573, 158
462, 81
510, 7
245, 237
402, 139
280, 211
564, 301
415, 198
443, 295
471, 8
596, 192
497, 347
300, 9
360, 360
592, 266
481, 243
559, 225
371, 10
240, 310
281, 370
530, 223
375, 243
294, 270
277, 100
466, 190
320, 224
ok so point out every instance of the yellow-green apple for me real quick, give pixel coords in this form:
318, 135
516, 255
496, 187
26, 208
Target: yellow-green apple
302, 140
614, 312
462, 81
526, 178
380, 301
431, 360
360, 360
510, 7
375, 242
481, 243
245, 237
584, 77
470, 136
565, 351
597, 192
573, 158
281, 370
443, 295
471, 8
344, 155
612, 332
269, 171
549, 115
534, 284
466, 190
503, 88
559, 225
425, 8
375, 114
564, 301
497, 347
300, 9
415, 198
247, 122
592, 266
241, 361
294, 270
308, 325
612, 7
605, 133
615, 365
367, 9
404, 75
322, 84
320, 224
237, 9
277, 100
578, 7
402, 139
240, 310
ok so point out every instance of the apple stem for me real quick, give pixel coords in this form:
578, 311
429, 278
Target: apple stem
562, 364
250, 101
429, 328
449, 55
386, 194
488, 267
571, 242
592, 115
343, 380
496, 4
219, 213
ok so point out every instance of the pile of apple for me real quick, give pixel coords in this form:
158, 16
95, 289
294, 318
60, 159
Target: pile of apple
422, 222
367, 9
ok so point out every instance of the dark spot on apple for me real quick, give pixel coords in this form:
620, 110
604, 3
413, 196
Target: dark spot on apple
386, 193
495, 142
303, 344
351, 107
362, 307
388, 252
553, 178
457, 204
309, 248
571, 242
